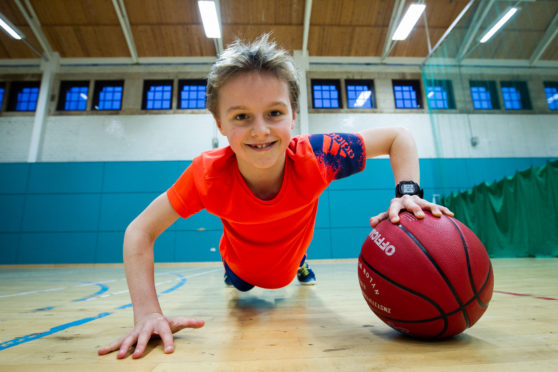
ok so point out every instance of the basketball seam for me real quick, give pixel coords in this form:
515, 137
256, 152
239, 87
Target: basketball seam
440, 271
432, 302
469, 269
439, 317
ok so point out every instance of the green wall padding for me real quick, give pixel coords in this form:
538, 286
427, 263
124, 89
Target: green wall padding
514, 217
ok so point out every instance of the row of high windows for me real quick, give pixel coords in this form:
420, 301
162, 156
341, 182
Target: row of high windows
326, 94
107, 95
407, 94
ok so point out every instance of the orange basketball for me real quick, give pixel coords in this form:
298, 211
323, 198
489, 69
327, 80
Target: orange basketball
427, 278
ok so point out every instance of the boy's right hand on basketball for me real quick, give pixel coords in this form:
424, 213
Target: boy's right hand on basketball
152, 324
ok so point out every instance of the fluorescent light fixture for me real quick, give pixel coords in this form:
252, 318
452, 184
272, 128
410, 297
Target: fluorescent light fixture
499, 24
208, 12
408, 22
362, 98
10, 28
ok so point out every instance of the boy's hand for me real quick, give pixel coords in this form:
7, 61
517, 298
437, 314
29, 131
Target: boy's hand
413, 204
152, 324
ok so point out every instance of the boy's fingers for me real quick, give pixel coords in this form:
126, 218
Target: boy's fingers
176, 324
109, 349
125, 346
374, 221
143, 338
166, 336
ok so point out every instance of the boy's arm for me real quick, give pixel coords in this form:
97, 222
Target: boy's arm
138, 262
399, 144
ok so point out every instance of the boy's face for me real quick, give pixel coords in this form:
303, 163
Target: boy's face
255, 114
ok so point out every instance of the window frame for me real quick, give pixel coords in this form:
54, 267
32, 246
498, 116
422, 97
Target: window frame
550, 85
147, 84
15, 88
65, 86
415, 83
3, 98
190, 82
336, 83
523, 91
490, 85
97, 90
447, 86
370, 84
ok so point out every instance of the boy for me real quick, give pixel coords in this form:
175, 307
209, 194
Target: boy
264, 186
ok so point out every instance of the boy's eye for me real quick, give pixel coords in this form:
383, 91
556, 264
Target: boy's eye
275, 113
240, 117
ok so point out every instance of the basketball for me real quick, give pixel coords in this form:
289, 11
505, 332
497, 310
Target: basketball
426, 278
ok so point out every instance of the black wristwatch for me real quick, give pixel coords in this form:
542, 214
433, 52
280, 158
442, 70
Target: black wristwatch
408, 188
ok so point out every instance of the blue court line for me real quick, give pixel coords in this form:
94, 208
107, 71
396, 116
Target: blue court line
103, 289
34, 336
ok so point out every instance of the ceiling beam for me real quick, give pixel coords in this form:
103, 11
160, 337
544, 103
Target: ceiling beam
449, 29
120, 9
549, 35
395, 16
478, 18
307, 16
31, 17
219, 41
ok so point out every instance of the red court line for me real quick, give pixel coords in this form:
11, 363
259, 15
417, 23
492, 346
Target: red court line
527, 295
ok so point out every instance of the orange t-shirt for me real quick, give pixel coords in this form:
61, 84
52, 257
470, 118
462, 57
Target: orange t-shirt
264, 241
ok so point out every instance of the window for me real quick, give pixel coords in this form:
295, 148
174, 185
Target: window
515, 95
23, 95
439, 94
360, 94
108, 95
2, 91
484, 95
551, 92
407, 94
73, 96
157, 95
192, 94
325, 94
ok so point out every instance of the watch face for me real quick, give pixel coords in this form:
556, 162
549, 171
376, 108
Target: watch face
408, 188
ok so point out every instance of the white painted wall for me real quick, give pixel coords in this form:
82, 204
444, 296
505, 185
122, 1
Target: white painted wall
183, 136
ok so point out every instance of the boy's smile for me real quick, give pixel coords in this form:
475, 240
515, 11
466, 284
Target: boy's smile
255, 114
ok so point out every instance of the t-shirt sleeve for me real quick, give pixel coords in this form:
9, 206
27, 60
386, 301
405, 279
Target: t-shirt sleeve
342, 154
184, 196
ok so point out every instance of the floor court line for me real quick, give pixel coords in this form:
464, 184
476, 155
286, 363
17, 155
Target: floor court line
34, 336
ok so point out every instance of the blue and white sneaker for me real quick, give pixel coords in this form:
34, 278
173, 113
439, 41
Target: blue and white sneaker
305, 275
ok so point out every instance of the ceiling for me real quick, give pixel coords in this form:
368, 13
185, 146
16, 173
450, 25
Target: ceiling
335, 28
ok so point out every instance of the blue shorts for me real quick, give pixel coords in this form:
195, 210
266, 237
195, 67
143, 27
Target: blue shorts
240, 284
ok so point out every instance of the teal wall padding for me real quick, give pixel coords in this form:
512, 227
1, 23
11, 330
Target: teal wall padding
56, 213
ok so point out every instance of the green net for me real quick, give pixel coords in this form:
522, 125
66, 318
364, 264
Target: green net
515, 217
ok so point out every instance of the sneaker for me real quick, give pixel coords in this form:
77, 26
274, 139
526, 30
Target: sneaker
228, 282
305, 275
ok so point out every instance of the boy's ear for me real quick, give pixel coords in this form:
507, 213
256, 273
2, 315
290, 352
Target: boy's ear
294, 120
218, 123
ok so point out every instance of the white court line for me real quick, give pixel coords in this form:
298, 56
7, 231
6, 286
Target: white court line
90, 284
33, 292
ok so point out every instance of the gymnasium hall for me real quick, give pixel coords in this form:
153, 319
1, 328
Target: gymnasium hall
103, 107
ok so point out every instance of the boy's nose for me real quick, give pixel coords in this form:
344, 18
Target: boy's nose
259, 128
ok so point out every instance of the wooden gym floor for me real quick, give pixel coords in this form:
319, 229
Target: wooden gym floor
55, 319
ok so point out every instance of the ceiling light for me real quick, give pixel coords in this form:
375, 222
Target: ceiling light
408, 22
208, 12
499, 25
10, 28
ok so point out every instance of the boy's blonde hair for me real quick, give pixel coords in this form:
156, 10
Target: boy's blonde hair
262, 55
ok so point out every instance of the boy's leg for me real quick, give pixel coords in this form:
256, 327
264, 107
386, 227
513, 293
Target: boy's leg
232, 279
305, 274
